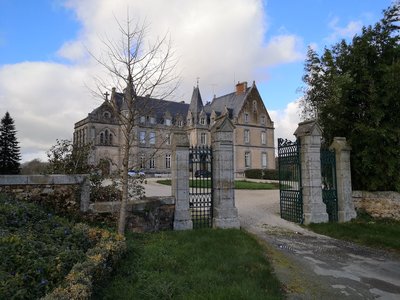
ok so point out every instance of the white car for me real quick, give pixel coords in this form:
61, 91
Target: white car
135, 173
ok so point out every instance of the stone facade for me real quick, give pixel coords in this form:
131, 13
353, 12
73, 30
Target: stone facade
378, 204
156, 120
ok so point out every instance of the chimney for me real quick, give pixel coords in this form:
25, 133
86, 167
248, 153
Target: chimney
241, 87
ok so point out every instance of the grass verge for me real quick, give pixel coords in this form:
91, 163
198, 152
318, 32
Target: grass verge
239, 184
198, 264
365, 230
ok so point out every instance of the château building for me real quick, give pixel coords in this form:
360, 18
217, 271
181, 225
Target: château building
157, 119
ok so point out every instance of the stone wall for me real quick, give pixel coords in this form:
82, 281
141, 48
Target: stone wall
378, 204
147, 215
67, 192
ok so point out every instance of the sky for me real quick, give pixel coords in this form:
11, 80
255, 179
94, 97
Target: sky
46, 73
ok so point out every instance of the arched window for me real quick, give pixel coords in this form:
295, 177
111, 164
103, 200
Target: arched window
101, 138
110, 139
106, 137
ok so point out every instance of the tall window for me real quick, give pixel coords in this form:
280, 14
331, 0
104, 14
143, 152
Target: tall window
247, 136
142, 137
264, 160
152, 138
202, 121
254, 106
168, 139
263, 138
142, 119
152, 120
142, 161
101, 138
167, 161
152, 163
263, 120
246, 117
203, 138
106, 136
247, 159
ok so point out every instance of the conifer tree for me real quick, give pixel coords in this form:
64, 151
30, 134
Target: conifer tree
353, 91
9, 150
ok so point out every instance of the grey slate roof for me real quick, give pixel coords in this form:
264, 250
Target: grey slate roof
196, 103
232, 101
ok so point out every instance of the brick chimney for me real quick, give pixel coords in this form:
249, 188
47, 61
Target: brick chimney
241, 87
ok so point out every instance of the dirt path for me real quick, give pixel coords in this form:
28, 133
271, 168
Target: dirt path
313, 266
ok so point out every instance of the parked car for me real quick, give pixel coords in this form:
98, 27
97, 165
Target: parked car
136, 173
202, 174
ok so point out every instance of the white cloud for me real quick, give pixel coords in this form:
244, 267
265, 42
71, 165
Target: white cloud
286, 121
218, 41
348, 31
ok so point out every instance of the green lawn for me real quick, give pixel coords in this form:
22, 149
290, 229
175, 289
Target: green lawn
198, 264
239, 184
381, 233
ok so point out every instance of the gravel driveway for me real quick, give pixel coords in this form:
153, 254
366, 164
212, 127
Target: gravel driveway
313, 266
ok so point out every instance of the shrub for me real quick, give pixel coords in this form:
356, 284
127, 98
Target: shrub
271, 174
253, 173
39, 249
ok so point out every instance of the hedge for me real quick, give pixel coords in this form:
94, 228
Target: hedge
271, 174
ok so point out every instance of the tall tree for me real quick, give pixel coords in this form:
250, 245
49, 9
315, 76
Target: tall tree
143, 68
9, 150
353, 89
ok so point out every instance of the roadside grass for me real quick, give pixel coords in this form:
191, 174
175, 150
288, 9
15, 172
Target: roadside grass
239, 184
365, 230
196, 264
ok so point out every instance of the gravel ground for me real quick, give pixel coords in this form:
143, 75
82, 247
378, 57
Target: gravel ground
313, 266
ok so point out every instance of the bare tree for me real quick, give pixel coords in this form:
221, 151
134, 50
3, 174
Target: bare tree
143, 69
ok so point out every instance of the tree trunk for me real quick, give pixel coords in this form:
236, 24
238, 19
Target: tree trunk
124, 200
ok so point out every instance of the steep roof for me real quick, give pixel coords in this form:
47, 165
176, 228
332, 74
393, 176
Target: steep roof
233, 102
196, 103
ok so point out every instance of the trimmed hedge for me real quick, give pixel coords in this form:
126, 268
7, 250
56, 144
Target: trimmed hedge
271, 174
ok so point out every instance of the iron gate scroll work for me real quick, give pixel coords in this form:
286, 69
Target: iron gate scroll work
200, 194
290, 188
328, 177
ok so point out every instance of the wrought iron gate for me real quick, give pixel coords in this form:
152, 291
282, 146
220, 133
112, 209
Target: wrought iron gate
290, 192
200, 195
328, 177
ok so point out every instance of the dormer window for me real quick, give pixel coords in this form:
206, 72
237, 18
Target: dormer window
152, 120
202, 121
168, 122
180, 123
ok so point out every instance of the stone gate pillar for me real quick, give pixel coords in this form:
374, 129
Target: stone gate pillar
180, 181
225, 214
314, 209
346, 210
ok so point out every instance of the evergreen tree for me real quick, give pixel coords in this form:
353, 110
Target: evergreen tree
9, 150
353, 89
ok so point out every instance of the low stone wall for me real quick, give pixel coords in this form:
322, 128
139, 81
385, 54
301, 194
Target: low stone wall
147, 215
70, 191
378, 204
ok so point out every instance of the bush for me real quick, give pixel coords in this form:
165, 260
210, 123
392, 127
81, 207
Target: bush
271, 174
253, 173
39, 249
